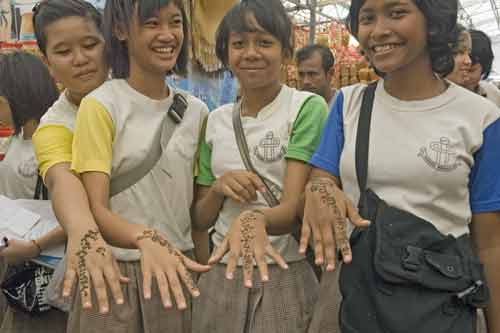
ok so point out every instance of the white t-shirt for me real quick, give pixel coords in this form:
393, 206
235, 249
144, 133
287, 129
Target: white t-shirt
19, 170
436, 158
276, 134
490, 91
115, 130
62, 112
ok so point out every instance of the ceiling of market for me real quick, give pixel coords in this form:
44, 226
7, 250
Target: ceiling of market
480, 14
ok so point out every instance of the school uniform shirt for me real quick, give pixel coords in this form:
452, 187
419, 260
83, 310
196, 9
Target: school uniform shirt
287, 128
490, 91
115, 129
19, 170
437, 158
54, 136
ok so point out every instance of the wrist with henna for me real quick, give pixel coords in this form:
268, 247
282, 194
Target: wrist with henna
87, 245
247, 236
325, 188
155, 237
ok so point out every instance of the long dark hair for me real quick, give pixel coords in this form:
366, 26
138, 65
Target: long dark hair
118, 15
442, 35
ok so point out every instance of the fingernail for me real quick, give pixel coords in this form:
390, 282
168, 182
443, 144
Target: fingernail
87, 305
248, 283
119, 301
167, 305
147, 296
104, 310
229, 276
265, 278
182, 306
196, 293
286, 266
330, 268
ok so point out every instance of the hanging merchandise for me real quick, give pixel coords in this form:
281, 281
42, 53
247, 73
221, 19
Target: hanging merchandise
206, 16
5, 20
214, 89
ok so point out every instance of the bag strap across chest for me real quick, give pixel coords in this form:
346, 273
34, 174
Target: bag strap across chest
175, 114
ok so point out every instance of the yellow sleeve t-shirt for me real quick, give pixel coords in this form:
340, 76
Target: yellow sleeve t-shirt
93, 146
54, 137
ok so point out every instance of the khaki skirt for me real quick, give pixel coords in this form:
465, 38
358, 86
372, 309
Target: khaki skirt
282, 305
16, 321
136, 315
326, 312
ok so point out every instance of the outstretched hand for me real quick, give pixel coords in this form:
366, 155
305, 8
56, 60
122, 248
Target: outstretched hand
247, 238
325, 212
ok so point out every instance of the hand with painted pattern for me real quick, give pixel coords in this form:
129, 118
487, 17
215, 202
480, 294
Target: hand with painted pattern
247, 238
91, 263
325, 216
163, 261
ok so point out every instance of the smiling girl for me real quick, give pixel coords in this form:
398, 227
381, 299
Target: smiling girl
417, 118
119, 125
282, 128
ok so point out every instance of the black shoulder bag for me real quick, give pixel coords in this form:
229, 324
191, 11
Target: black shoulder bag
25, 284
405, 276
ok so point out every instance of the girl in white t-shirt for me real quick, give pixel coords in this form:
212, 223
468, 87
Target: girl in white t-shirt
119, 125
282, 127
26, 92
69, 37
433, 153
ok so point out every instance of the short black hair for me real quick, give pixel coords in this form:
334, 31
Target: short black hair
482, 51
442, 36
27, 85
118, 15
47, 12
269, 14
327, 58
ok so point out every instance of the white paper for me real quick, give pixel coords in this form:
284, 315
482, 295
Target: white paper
15, 218
27, 220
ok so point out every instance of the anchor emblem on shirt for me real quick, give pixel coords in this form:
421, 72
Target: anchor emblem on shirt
269, 149
440, 157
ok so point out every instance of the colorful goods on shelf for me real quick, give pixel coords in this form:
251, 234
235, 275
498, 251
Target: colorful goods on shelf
350, 66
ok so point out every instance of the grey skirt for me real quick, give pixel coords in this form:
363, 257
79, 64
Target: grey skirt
284, 304
16, 321
326, 312
136, 315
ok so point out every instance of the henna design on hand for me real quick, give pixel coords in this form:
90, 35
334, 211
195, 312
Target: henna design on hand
101, 251
325, 188
85, 246
157, 238
247, 237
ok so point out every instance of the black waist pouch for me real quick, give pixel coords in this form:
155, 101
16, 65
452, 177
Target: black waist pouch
406, 276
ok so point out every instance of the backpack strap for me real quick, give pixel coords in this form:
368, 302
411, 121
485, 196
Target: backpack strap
175, 114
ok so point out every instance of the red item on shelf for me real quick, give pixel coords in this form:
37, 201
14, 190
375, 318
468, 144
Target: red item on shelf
5, 134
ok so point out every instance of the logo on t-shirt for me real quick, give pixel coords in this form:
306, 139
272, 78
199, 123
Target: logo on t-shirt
270, 149
440, 156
